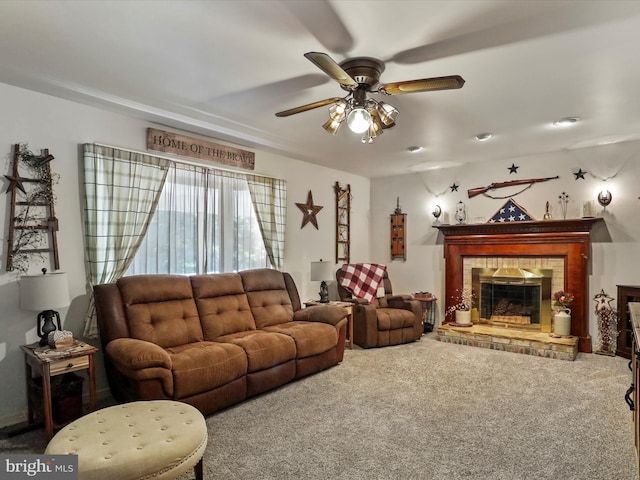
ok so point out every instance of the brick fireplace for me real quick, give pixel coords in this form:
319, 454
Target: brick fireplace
562, 247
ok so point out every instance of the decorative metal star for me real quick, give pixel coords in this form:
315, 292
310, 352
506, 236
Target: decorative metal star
454, 187
15, 182
579, 174
309, 211
513, 168
603, 301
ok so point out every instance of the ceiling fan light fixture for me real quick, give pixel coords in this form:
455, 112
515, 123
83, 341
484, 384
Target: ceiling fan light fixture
358, 120
332, 125
337, 111
376, 121
375, 128
388, 113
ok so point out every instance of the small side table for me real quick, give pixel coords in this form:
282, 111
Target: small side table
348, 306
49, 362
428, 311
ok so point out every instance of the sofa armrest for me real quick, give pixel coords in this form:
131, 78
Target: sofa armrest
358, 301
401, 301
321, 313
394, 297
130, 354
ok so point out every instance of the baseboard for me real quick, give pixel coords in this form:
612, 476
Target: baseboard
104, 397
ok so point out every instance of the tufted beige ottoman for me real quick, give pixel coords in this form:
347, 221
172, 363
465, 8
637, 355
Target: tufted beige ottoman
159, 439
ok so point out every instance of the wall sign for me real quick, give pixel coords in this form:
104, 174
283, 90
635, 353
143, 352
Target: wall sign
177, 144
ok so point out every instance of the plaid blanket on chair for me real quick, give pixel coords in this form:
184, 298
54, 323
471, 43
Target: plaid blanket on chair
362, 279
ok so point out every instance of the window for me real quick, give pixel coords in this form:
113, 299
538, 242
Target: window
204, 223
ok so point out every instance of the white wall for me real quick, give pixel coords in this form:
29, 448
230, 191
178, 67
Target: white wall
47, 122
615, 245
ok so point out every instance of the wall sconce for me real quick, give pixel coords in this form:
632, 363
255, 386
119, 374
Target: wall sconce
437, 211
604, 197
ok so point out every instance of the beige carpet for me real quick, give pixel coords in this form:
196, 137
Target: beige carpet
429, 410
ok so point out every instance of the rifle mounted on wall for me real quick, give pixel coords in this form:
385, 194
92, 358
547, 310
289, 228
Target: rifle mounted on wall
477, 191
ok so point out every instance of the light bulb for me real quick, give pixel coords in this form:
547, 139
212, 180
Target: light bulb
358, 120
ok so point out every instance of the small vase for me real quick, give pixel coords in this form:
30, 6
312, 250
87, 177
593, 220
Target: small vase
562, 322
463, 317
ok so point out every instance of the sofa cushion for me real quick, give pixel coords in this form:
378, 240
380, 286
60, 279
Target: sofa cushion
312, 338
264, 349
222, 304
394, 318
160, 309
268, 296
202, 366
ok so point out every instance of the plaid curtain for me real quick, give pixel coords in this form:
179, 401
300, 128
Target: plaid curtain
121, 194
269, 198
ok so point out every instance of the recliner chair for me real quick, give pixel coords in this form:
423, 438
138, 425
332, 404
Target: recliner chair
389, 320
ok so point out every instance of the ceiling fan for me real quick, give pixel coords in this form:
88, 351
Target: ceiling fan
359, 76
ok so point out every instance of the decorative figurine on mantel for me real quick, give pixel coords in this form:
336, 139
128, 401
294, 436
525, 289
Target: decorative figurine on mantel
461, 213
547, 213
607, 324
564, 200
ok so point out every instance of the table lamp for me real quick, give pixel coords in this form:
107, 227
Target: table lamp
320, 272
42, 293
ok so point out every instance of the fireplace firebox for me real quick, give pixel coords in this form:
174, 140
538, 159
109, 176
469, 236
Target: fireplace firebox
514, 296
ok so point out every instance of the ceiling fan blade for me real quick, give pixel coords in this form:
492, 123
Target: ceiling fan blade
424, 85
309, 106
323, 22
325, 63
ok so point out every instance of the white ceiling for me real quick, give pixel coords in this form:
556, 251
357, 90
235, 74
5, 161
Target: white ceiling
224, 68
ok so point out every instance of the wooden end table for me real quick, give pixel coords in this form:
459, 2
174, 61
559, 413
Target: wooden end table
348, 306
49, 362
428, 310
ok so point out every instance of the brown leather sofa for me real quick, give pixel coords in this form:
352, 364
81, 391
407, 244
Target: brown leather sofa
212, 340
389, 320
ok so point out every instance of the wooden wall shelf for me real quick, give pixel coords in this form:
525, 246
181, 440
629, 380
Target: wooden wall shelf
398, 236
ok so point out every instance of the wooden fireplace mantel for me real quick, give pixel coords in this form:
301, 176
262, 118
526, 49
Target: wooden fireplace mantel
567, 239
535, 227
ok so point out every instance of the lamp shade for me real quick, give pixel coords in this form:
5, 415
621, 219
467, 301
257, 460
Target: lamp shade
321, 271
44, 292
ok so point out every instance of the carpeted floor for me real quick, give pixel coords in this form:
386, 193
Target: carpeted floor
428, 410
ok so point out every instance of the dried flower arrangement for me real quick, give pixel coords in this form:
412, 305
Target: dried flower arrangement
607, 324
462, 300
562, 299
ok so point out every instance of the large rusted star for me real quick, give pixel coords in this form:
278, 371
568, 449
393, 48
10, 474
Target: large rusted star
15, 182
309, 211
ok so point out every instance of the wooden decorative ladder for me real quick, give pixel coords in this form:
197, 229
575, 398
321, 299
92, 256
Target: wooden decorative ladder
343, 223
22, 221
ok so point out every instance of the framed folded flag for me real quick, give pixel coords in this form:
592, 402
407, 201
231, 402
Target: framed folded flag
511, 212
